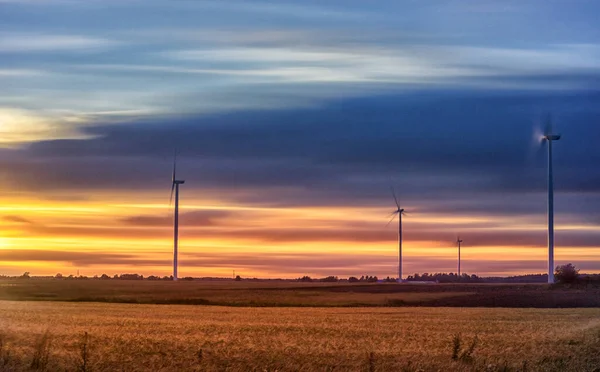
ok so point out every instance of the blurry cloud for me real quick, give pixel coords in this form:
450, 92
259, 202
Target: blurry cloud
283, 8
38, 42
21, 126
81, 258
195, 218
495, 232
13, 72
18, 219
308, 53
406, 63
283, 264
485, 7
467, 143
232, 36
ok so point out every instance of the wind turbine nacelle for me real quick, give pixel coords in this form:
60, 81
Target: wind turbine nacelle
552, 137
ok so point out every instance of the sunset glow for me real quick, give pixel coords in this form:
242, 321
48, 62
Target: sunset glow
107, 235
292, 121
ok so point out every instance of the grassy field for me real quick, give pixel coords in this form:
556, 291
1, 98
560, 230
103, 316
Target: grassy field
133, 337
282, 294
207, 292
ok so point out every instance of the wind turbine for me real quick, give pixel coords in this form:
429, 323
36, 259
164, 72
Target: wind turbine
458, 241
549, 137
175, 189
399, 212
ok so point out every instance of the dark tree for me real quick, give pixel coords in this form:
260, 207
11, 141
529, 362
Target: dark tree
330, 279
566, 273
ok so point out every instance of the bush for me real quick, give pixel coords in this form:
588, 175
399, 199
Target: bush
129, 277
566, 273
25, 275
330, 279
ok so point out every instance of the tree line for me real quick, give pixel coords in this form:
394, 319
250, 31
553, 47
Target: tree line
566, 274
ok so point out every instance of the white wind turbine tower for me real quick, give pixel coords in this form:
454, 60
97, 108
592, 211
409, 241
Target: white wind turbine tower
458, 241
175, 189
549, 137
400, 212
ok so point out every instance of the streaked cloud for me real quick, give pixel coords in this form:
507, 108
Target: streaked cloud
200, 218
20, 126
286, 265
17, 219
284, 8
20, 72
37, 42
416, 60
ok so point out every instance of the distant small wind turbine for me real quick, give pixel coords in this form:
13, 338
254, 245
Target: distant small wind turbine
549, 136
458, 241
175, 189
399, 212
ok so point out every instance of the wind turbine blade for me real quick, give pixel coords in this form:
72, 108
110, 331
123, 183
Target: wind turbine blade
393, 218
174, 166
395, 198
172, 190
538, 135
548, 125
535, 151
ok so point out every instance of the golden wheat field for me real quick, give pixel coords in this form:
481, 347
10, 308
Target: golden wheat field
131, 337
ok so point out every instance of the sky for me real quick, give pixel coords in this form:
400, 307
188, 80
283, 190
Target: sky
292, 120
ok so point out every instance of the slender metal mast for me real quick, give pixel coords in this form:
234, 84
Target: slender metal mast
176, 232
550, 216
399, 211
458, 241
550, 137
175, 189
400, 246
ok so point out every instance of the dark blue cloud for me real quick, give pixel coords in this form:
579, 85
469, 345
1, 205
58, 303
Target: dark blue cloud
442, 150
420, 133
